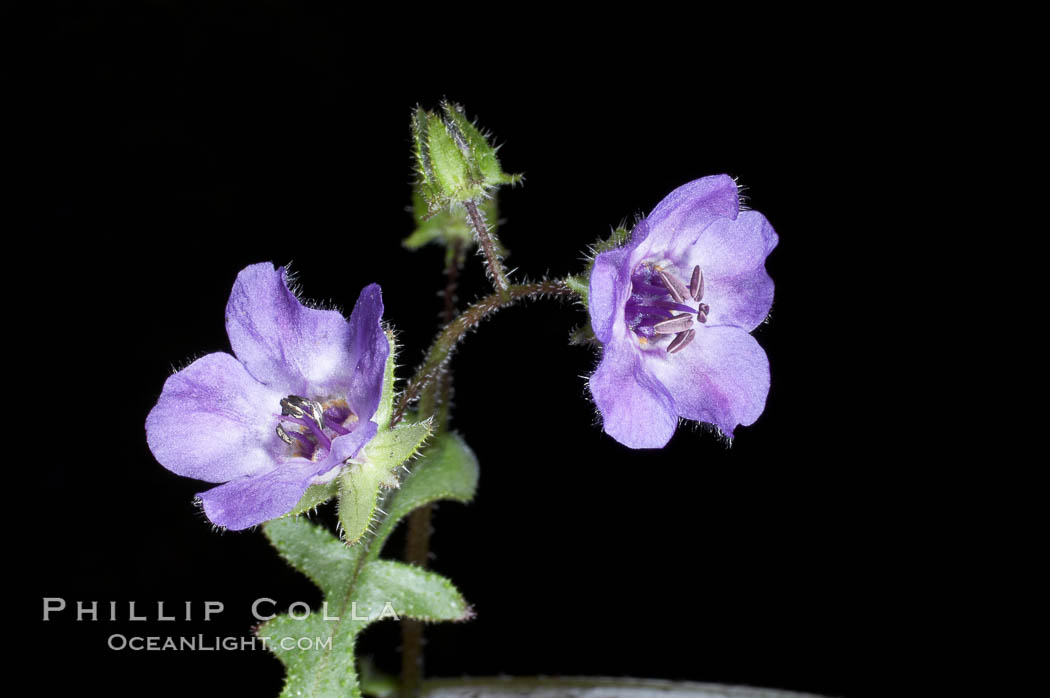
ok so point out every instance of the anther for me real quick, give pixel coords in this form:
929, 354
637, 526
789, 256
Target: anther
696, 284
675, 287
679, 323
290, 408
284, 435
680, 341
299, 407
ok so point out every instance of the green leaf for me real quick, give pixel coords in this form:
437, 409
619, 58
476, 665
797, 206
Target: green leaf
318, 651
318, 655
410, 591
448, 469
315, 552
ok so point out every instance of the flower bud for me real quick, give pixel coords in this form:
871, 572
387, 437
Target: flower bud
454, 161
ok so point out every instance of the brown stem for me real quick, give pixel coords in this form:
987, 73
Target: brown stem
447, 340
417, 550
417, 541
477, 221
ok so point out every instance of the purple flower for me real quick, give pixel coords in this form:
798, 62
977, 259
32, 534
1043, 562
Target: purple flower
294, 402
673, 309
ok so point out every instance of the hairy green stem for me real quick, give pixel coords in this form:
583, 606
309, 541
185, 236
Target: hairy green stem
447, 340
485, 241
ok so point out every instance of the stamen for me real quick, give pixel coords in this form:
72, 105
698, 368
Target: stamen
675, 287
680, 341
644, 331
640, 286
292, 438
290, 409
675, 306
284, 435
680, 323
299, 407
650, 311
338, 428
696, 284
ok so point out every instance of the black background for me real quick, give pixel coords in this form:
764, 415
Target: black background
189, 143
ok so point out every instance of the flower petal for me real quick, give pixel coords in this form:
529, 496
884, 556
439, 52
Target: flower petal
368, 352
284, 344
636, 410
721, 378
686, 211
608, 292
344, 447
733, 256
249, 501
610, 282
214, 421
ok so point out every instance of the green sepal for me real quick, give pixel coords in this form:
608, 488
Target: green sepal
450, 171
356, 594
448, 469
583, 336
359, 485
375, 467
389, 449
454, 161
580, 285
617, 238
315, 496
386, 400
481, 157
424, 169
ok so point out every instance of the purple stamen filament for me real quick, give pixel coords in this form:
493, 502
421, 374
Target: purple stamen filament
314, 428
317, 420
656, 295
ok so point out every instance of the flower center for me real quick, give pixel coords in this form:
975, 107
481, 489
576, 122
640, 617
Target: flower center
661, 305
309, 426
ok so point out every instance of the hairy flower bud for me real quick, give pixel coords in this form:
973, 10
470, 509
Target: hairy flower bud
454, 161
